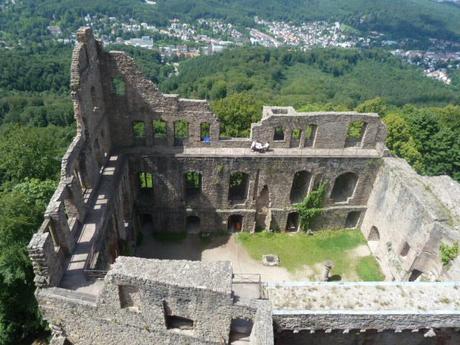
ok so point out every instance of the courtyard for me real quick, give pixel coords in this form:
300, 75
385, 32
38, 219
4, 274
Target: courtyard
302, 256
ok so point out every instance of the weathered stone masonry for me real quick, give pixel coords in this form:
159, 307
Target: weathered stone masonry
142, 156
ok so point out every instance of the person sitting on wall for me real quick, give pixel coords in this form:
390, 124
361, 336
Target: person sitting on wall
259, 147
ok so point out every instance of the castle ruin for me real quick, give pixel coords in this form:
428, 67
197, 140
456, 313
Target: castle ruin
131, 162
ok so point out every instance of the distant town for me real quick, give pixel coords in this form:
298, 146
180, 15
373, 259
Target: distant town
210, 36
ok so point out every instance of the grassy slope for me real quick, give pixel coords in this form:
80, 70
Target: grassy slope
296, 250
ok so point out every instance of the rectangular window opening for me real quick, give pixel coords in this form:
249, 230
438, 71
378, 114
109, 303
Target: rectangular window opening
146, 180
310, 135
139, 132
205, 132
159, 129
180, 132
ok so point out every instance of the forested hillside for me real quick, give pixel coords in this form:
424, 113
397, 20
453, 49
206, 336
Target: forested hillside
419, 19
422, 114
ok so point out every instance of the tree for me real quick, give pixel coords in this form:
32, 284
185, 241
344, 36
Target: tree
21, 212
236, 113
375, 105
400, 141
31, 152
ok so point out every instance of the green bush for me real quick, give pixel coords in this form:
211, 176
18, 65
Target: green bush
311, 207
448, 252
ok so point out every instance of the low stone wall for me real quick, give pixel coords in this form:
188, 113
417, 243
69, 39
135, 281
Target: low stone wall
368, 306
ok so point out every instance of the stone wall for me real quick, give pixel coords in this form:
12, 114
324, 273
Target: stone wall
407, 219
169, 205
154, 302
127, 165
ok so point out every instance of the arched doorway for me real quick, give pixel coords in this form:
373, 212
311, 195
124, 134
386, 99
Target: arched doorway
192, 225
292, 224
373, 238
374, 235
235, 223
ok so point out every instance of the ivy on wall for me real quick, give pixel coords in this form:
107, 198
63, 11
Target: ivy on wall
312, 206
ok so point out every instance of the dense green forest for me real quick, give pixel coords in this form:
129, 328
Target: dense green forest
36, 125
417, 19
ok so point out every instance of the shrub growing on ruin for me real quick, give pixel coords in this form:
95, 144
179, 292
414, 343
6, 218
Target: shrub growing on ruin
312, 206
448, 252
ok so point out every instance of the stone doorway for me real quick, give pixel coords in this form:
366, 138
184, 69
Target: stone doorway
193, 225
235, 223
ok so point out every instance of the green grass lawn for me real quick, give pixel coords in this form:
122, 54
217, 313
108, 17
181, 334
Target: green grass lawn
368, 269
297, 250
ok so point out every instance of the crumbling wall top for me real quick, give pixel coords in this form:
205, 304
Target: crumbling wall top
214, 276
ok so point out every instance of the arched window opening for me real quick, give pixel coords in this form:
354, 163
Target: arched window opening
180, 132
355, 133
374, 235
192, 225
310, 135
405, 249
299, 188
344, 187
415, 275
352, 220
279, 134
292, 224
238, 188
192, 180
235, 223
205, 132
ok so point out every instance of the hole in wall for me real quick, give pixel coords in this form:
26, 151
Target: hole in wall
292, 224
193, 184
299, 188
238, 187
310, 135
159, 129
344, 187
374, 235
355, 133
405, 249
139, 132
352, 220
235, 223
278, 134
180, 132
205, 132
192, 224
118, 86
